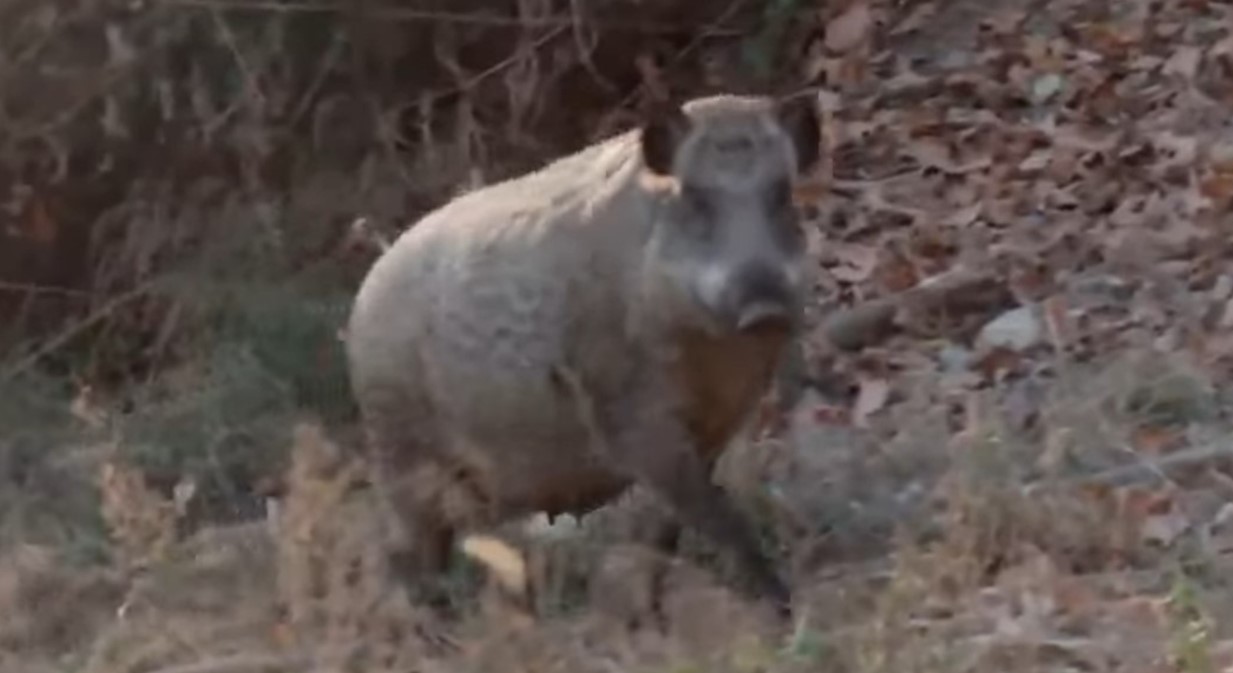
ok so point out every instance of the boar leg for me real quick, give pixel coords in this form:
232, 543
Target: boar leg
408, 480
640, 435
673, 471
651, 523
420, 565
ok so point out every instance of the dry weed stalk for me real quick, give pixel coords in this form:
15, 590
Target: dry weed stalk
335, 586
142, 522
316, 486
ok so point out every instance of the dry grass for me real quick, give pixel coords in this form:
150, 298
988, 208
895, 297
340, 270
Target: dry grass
1008, 579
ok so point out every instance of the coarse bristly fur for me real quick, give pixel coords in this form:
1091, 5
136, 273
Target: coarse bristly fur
542, 343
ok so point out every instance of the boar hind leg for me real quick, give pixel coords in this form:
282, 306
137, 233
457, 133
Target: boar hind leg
421, 565
421, 562
429, 537
407, 480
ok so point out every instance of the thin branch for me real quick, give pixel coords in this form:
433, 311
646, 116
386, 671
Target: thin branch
584, 29
225, 32
326, 64
57, 342
507, 62
712, 29
404, 14
1144, 471
99, 85
245, 663
433, 96
29, 288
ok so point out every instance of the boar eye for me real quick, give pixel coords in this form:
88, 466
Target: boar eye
697, 198
779, 195
783, 213
700, 206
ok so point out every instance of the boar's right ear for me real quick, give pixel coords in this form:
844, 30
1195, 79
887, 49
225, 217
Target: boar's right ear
801, 121
664, 127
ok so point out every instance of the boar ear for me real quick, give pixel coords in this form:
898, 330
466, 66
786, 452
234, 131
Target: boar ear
800, 120
664, 127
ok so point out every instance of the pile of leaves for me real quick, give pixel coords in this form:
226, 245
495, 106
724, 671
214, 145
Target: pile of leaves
1035, 222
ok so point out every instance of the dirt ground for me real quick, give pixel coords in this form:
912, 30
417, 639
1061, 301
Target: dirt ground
1012, 452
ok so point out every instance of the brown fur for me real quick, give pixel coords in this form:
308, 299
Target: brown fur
722, 380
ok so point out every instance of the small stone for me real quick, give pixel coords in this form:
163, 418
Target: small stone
1016, 330
1046, 86
954, 358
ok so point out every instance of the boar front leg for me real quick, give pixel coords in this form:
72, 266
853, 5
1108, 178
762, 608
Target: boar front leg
639, 435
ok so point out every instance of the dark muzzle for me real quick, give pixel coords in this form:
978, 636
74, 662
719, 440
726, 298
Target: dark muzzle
760, 298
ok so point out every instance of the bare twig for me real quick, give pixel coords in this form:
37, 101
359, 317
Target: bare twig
327, 64
404, 14
504, 63
250, 80
585, 37
1144, 471
712, 29
57, 342
28, 288
99, 86
15, 132
426, 101
246, 663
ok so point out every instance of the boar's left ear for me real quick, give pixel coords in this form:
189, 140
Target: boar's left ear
664, 127
800, 120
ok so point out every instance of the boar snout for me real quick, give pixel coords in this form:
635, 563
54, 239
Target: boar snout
759, 297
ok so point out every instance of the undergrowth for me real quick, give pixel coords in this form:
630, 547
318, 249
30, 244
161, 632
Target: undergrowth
195, 189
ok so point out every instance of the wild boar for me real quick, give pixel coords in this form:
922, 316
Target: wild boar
543, 343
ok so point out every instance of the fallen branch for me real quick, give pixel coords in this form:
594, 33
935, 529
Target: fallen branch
246, 663
957, 291
1142, 472
863, 325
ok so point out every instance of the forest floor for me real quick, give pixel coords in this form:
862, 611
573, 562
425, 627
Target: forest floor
1030, 468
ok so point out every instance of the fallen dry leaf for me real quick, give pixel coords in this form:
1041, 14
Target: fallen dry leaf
1184, 62
850, 29
1164, 528
872, 396
964, 216
856, 262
